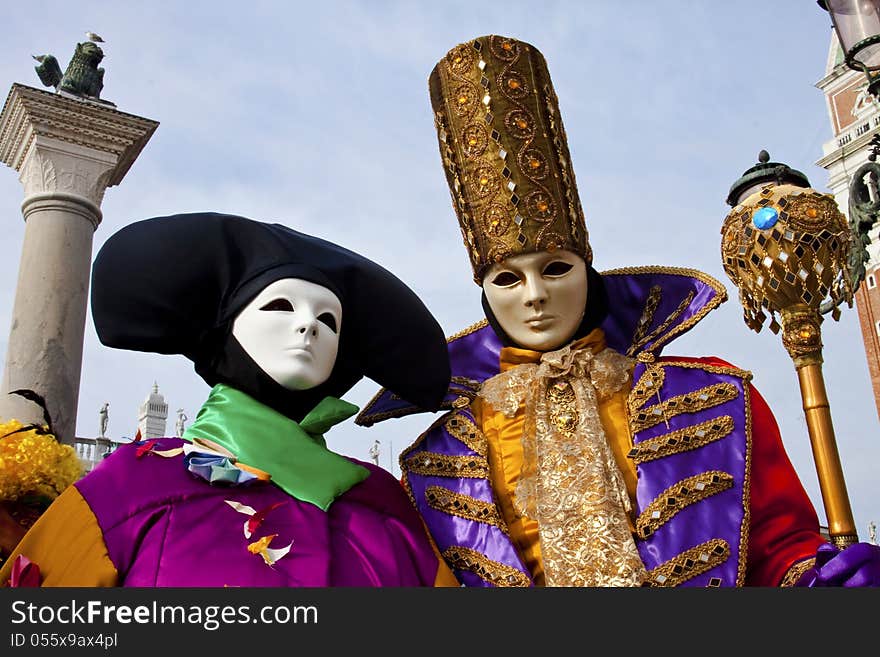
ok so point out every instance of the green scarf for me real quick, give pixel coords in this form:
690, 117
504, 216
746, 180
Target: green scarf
294, 454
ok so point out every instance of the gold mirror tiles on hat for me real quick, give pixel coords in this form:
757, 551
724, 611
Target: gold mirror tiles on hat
505, 152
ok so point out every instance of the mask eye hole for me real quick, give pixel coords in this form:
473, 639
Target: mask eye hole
279, 304
329, 320
505, 279
557, 268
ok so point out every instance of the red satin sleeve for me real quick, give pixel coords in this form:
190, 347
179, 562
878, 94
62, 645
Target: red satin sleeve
783, 525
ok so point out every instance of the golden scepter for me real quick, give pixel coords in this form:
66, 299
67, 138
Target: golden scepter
788, 248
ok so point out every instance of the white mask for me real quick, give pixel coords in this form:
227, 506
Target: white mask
291, 330
539, 299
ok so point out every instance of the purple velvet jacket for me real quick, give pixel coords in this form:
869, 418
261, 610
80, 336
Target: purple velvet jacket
692, 434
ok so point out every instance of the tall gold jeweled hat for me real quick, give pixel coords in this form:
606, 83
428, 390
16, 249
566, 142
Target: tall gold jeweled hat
505, 152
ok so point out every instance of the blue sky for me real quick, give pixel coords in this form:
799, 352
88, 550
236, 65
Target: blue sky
316, 115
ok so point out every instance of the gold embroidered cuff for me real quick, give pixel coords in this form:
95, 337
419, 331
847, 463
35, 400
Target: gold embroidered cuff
794, 573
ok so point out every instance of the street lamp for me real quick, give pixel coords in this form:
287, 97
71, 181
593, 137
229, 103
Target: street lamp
787, 248
857, 23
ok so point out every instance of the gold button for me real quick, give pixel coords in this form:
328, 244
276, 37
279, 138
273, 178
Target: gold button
461, 402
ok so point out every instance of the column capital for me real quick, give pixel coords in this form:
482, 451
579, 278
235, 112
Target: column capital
69, 145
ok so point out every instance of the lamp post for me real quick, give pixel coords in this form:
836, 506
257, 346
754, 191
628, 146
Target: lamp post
787, 248
857, 23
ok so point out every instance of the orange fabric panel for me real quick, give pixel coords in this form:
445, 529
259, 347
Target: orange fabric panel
505, 464
68, 522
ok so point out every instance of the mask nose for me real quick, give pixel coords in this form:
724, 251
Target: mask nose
309, 330
535, 293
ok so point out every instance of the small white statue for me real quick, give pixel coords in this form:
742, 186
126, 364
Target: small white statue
103, 417
181, 419
374, 452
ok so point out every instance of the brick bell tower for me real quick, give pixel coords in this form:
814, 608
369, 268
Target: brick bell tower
855, 119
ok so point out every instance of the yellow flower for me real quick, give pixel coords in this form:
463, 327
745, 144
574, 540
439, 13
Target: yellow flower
33, 464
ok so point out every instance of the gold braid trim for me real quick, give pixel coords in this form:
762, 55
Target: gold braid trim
464, 506
648, 384
462, 429
647, 317
682, 440
729, 370
690, 563
466, 383
747, 483
473, 328
494, 572
433, 464
692, 402
675, 314
793, 574
404, 455
678, 496
365, 419
459, 384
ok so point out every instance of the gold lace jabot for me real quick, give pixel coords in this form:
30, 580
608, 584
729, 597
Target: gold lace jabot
570, 483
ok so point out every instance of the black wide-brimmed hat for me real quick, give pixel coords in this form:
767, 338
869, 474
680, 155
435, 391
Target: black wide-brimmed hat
174, 285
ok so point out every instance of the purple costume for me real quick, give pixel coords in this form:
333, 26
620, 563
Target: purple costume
162, 526
181, 532
692, 428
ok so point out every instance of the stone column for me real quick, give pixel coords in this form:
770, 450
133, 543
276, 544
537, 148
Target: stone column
67, 151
